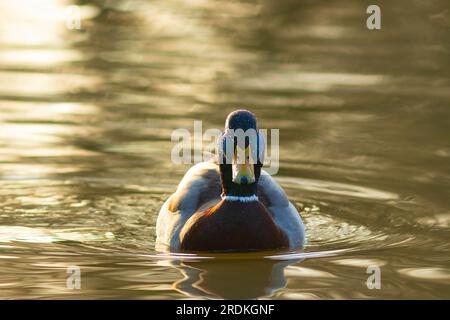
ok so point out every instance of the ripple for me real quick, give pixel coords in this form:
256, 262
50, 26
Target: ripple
426, 273
337, 188
327, 230
45, 84
243, 256
437, 220
39, 235
358, 262
306, 255
302, 272
310, 81
38, 57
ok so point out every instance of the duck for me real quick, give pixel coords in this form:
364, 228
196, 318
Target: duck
230, 203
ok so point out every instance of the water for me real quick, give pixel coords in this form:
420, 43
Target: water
85, 123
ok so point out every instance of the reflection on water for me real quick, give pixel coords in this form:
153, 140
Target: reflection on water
85, 123
233, 278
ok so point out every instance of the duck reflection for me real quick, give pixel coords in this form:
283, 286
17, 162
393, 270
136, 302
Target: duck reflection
231, 278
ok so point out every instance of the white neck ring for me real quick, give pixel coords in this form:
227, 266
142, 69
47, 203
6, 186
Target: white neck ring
241, 199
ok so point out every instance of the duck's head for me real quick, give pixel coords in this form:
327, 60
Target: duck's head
240, 151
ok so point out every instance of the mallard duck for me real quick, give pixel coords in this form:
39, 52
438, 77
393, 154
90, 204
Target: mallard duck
230, 203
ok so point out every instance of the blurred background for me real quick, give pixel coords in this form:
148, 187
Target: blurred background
86, 117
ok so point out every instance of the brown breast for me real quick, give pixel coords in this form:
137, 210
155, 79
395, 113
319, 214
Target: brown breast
232, 226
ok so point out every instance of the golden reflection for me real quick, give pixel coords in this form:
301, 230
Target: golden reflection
309, 81
32, 84
34, 171
41, 235
427, 273
27, 135
303, 272
39, 140
438, 220
38, 24
8, 257
359, 262
38, 57
43, 111
35, 37
299, 296
31, 23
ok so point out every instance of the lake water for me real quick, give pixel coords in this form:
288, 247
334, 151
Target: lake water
86, 118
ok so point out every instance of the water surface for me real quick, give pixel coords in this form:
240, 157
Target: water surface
86, 118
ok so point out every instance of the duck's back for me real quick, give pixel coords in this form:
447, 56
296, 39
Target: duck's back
232, 226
